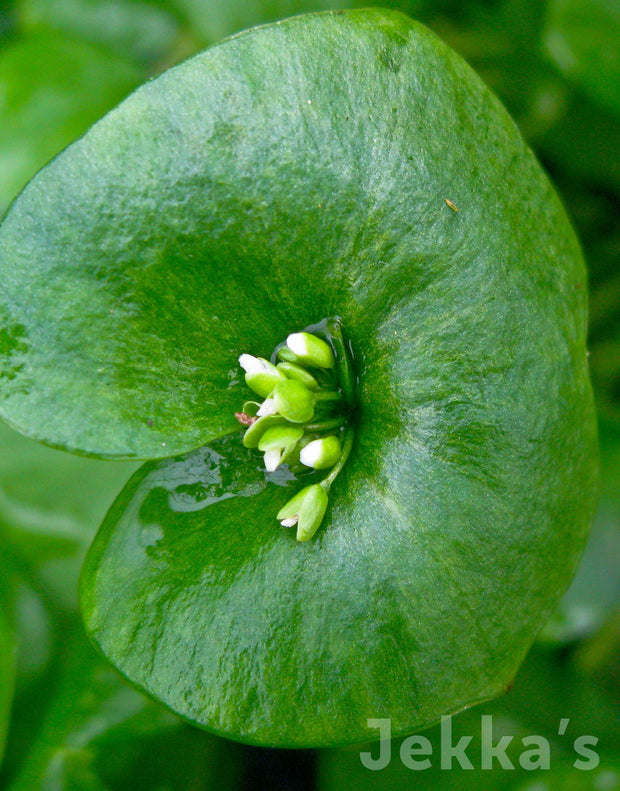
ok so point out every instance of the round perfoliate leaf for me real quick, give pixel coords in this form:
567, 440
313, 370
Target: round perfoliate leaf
304, 170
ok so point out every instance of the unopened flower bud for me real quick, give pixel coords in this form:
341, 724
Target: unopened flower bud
260, 374
277, 443
321, 453
285, 354
306, 510
293, 371
310, 350
280, 437
253, 435
291, 400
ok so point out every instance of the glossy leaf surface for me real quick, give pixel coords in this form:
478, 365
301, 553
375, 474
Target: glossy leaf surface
197, 227
196, 593
296, 172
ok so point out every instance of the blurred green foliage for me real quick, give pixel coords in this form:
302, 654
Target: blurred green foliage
74, 724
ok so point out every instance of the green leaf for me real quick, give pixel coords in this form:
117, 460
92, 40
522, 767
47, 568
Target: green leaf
51, 504
97, 732
219, 18
194, 591
7, 676
142, 31
190, 223
7, 20
48, 99
296, 172
582, 40
56, 492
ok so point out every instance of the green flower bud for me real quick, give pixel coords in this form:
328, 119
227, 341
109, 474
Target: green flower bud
292, 371
306, 510
277, 443
260, 374
284, 353
291, 400
310, 350
253, 435
280, 437
321, 453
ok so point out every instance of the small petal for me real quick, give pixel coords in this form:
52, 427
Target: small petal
272, 459
268, 407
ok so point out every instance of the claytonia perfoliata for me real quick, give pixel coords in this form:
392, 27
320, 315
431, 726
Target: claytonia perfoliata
303, 420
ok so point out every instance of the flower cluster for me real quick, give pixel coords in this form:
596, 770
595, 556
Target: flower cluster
300, 422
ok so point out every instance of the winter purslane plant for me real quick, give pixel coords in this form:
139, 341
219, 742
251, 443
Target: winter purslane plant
334, 165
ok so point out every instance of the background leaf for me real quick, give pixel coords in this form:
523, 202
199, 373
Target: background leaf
75, 723
582, 40
216, 20
47, 84
50, 506
98, 733
141, 31
7, 673
595, 592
